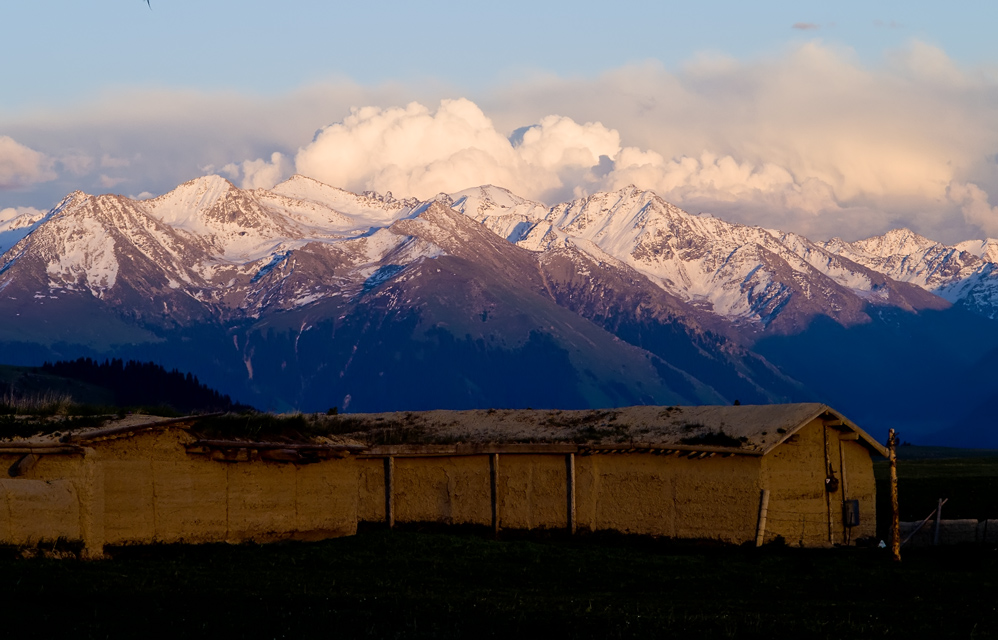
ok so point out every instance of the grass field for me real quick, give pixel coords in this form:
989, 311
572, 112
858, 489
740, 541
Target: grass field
410, 583
969, 480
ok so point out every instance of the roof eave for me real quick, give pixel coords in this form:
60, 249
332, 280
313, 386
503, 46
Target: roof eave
821, 410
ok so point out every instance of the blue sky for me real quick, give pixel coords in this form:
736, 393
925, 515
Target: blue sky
726, 100
77, 49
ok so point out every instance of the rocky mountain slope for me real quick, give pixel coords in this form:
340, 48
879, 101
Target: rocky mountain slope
307, 296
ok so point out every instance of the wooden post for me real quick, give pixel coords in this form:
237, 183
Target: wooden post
828, 497
939, 518
570, 468
911, 534
895, 509
494, 482
845, 491
390, 491
760, 532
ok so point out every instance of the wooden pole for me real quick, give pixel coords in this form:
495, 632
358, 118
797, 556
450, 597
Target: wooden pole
828, 497
494, 484
760, 532
921, 524
845, 491
390, 491
939, 518
570, 468
895, 509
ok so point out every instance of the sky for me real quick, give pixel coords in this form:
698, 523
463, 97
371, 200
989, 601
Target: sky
828, 119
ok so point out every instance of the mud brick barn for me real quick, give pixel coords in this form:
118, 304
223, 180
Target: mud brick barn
734, 474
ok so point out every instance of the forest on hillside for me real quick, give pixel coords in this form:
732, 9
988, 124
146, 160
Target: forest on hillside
135, 383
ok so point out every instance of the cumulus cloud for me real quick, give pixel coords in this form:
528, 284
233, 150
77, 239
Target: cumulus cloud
21, 166
805, 26
811, 139
259, 173
416, 151
975, 206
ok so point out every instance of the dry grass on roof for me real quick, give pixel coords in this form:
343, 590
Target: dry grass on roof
750, 428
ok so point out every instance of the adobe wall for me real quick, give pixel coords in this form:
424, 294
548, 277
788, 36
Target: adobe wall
156, 492
640, 493
60, 497
669, 495
147, 489
800, 508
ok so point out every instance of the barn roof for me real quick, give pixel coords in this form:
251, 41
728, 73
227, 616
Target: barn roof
753, 429
745, 429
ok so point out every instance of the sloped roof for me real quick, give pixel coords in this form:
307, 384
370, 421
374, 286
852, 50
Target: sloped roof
752, 429
745, 429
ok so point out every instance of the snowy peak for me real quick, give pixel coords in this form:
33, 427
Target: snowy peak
369, 209
501, 211
895, 242
304, 240
487, 201
986, 249
182, 207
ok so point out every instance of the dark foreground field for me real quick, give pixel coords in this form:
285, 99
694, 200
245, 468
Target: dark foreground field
408, 584
383, 584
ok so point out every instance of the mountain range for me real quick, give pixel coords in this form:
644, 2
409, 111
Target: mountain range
306, 297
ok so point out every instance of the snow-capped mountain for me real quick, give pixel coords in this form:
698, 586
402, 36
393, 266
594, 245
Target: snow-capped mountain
309, 296
963, 274
747, 275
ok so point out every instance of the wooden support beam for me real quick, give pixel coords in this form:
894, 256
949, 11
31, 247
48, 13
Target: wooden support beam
494, 484
939, 520
42, 451
760, 531
935, 512
828, 473
570, 474
844, 488
390, 491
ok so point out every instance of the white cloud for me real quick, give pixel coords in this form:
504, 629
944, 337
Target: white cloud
77, 164
974, 204
21, 166
259, 173
810, 140
108, 182
110, 162
415, 151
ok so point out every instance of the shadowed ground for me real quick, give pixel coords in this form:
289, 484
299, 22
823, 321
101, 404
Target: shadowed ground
417, 584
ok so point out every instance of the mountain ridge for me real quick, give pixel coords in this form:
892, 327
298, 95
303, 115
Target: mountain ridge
275, 292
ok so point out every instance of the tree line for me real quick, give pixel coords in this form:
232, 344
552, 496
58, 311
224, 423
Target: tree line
144, 384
